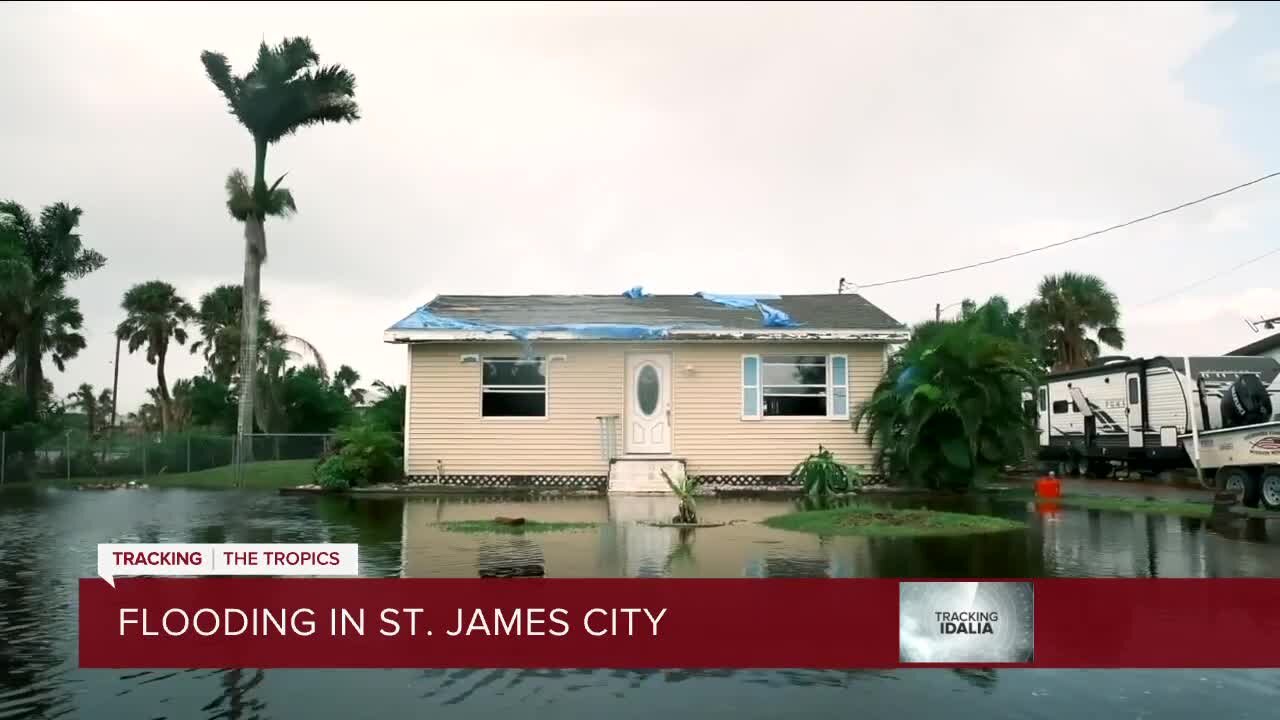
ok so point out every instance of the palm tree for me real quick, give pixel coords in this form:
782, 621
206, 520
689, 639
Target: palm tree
155, 314
219, 328
180, 404
37, 317
344, 381
85, 399
286, 90
1067, 308
389, 409
104, 401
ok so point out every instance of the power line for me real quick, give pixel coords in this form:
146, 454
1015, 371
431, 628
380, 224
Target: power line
1060, 243
1215, 276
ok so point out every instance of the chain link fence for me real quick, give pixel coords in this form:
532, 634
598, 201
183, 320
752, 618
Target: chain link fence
121, 457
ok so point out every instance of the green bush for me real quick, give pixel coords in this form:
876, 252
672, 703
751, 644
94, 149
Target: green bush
948, 414
362, 454
821, 474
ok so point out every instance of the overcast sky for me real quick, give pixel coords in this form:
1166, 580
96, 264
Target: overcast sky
731, 148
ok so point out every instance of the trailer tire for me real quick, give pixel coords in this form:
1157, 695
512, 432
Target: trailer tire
1233, 480
1270, 488
1082, 467
1100, 469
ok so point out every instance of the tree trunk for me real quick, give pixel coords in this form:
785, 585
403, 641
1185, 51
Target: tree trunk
30, 376
255, 238
163, 385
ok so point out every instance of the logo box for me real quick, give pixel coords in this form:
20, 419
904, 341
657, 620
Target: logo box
966, 622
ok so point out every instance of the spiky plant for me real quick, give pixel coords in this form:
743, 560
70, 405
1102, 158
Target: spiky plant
822, 475
685, 490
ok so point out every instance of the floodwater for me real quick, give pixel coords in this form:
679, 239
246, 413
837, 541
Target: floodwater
48, 540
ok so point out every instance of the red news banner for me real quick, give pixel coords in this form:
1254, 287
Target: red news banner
272, 622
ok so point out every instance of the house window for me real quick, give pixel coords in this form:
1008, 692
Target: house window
514, 387
1042, 394
1059, 407
795, 386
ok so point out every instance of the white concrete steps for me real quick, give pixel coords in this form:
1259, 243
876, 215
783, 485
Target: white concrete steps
643, 476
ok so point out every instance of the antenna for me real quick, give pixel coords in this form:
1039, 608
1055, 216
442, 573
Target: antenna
1268, 323
840, 288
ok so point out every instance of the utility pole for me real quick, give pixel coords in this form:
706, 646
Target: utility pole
937, 312
115, 385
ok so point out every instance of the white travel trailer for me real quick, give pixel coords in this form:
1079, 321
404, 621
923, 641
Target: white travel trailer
1132, 413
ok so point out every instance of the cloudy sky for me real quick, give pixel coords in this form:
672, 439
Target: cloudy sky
589, 148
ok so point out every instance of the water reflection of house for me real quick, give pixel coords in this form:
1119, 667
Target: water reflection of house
624, 543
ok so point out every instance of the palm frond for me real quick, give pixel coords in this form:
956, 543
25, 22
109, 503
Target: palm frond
218, 70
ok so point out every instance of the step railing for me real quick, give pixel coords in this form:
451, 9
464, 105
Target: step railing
608, 437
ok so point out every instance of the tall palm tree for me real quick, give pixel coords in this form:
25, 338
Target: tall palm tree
286, 90
1066, 309
155, 314
37, 317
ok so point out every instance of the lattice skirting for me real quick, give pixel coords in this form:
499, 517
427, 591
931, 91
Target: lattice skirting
601, 482
749, 481
576, 482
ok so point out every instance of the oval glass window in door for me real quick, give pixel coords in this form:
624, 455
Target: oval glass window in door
647, 389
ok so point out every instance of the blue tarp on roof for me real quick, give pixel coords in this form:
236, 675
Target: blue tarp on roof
424, 319
771, 316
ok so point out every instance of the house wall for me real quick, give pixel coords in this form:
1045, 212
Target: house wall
446, 434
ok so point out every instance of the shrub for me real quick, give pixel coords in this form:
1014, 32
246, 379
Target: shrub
362, 454
821, 474
685, 489
949, 414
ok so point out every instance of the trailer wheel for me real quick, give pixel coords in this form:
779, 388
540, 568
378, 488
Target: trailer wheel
1233, 480
1100, 469
1270, 489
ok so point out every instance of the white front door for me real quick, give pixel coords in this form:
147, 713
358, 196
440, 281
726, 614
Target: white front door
648, 417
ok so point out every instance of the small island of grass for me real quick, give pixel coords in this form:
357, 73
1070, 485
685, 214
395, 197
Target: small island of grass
527, 526
872, 521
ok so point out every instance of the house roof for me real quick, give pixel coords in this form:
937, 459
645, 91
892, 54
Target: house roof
1258, 347
842, 316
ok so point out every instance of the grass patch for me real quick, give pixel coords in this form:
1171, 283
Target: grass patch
264, 475
1151, 506
529, 526
873, 521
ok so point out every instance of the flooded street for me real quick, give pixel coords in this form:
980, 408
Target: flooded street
48, 540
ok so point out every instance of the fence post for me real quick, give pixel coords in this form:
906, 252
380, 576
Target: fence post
188, 452
275, 442
66, 455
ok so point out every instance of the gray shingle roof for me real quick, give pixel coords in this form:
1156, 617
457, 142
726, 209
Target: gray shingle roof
1259, 347
828, 312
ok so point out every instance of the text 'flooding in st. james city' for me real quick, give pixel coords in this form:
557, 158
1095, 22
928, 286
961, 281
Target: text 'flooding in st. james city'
391, 622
